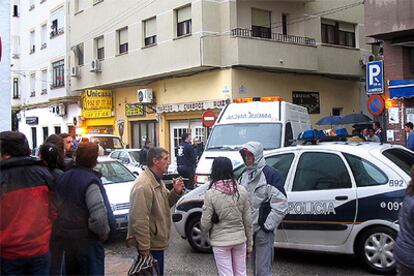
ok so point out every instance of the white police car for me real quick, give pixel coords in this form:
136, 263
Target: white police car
343, 198
118, 182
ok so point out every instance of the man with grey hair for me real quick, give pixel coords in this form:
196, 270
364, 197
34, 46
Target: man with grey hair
149, 220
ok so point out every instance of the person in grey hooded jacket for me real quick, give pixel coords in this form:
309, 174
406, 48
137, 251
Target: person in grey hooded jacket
264, 185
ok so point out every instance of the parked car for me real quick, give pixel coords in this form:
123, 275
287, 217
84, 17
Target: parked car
128, 157
118, 182
343, 198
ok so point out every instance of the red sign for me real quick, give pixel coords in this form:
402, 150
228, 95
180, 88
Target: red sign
208, 118
376, 105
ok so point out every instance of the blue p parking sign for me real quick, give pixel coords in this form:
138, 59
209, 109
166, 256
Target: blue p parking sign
375, 77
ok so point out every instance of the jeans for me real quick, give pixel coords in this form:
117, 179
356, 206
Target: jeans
159, 256
262, 256
230, 260
84, 257
38, 265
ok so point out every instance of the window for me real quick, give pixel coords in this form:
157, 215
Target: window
32, 85
336, 111
281, 163
44, 82
365, 173
58, 74
123, 156
32, 42
100, 48
320, 171
79, 54
16, 46
150, 31
79, 5
284, 24
57, 129
57, 18
123, 40
45, 133
16, 93
261, 23
339, 33
288, 134
183, 21
115, 155
404, 159
34, 137
43, 37
113, 172
15, 11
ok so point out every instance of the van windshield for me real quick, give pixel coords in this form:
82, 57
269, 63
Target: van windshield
108, 142
233, 136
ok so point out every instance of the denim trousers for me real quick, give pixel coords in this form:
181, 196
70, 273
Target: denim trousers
159, 256
230, 260
38, 265
262, 256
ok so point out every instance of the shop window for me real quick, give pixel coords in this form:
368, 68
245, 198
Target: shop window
45, 133
142, 131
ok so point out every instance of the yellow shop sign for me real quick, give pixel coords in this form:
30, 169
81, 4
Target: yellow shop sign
97, 103
134, 110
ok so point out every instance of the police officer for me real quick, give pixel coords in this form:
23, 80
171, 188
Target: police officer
186, 161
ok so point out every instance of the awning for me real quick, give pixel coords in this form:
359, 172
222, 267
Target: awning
400, 89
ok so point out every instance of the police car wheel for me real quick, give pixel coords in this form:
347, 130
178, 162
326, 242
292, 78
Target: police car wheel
375, 250
196, 240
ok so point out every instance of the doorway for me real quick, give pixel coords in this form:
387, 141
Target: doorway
143, 130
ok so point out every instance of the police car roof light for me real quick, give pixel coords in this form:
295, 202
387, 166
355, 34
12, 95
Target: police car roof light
341, 132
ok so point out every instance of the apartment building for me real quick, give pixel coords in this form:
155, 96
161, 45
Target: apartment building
41, 100
390, 28
5, 111
166, 62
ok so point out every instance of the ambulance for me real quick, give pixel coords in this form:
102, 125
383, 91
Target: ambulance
271, 121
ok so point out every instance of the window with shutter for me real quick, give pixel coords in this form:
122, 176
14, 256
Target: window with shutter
123, 40
261, 23
184, 21
150, 31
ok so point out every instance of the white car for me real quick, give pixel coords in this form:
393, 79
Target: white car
129, 158
343, 198
118, 182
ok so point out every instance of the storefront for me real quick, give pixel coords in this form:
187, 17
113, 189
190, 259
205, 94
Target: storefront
97, 112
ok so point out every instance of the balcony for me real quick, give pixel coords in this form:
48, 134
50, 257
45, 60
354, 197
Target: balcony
31, 7
272, 50
32, 94
56, 32
44, 45
293, 39
43, 92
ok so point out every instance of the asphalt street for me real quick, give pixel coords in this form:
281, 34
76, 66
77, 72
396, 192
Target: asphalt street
182, 260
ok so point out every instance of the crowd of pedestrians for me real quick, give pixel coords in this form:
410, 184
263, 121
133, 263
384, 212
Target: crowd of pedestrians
56, 214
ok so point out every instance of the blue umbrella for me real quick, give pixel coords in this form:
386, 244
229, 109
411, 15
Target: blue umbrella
329, 121
355, 118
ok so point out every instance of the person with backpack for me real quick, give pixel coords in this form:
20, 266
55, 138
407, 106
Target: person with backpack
268, 202
226, 216
85, 215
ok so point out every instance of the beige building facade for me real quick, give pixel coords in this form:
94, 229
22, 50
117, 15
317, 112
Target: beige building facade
198, 55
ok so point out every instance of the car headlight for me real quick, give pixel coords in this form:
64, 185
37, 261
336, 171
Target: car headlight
202, 179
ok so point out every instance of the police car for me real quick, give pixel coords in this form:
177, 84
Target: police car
343, 198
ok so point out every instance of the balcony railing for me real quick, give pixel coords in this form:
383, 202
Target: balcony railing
43, 92
44, 45
56, 32
294, 39
32, 93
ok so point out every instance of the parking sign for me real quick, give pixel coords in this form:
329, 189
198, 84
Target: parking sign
375, 77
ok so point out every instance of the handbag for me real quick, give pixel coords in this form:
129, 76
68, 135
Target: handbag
264, 211
214, 217
144, 266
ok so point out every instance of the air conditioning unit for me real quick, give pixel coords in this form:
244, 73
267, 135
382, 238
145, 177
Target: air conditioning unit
366, 58
144, 96
74, 71
59, 110
95, 65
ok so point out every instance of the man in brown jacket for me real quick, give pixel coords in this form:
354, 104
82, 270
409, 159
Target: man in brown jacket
149, 214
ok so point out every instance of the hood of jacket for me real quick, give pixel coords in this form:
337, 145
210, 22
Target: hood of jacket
256, 168
225, 186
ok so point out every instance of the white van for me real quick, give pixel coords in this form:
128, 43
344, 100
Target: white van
269, 120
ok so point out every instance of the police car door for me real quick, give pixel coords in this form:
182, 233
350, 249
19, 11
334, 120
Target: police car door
322, 199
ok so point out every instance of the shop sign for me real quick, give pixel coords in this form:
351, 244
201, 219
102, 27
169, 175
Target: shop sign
310, 100
32, 120
97, 103
134, 110
99, 113
192, 106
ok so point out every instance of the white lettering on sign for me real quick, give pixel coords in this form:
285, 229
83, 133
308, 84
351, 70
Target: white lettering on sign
374, 72
249, 116
209, 118
311, 208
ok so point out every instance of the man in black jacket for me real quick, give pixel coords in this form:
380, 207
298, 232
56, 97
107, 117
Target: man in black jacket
186, 161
